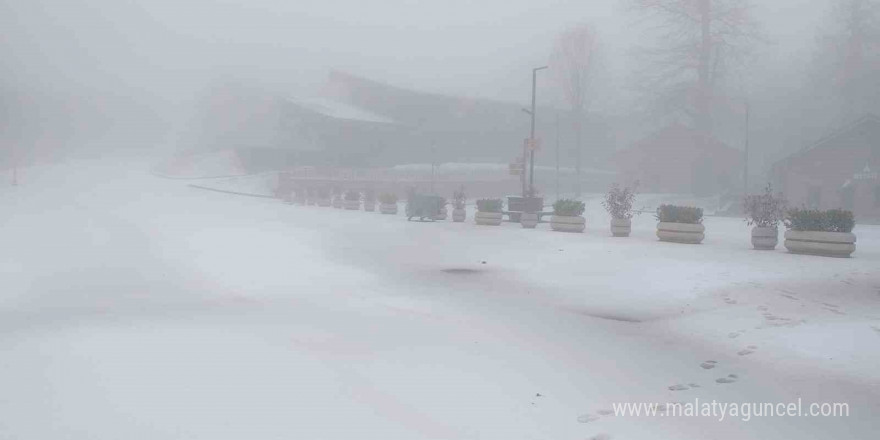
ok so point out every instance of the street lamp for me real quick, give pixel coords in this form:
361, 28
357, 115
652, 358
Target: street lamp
532, 135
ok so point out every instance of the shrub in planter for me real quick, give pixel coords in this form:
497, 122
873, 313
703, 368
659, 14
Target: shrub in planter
323, 197
816, 232
763, 213
441, 209
489, 212
680, 224
568, 216
388, 203
619, 204
459, 199
352, 200
369, 200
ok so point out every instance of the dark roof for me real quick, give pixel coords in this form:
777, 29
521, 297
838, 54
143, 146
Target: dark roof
675, 136
868, 118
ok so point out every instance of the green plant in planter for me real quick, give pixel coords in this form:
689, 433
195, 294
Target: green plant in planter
352, 196
619, 201
459, 199
568, 208
490, 205
388, 198
679, 214
832, 220
764, 210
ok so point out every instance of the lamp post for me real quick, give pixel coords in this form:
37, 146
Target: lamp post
532, 135
746, 161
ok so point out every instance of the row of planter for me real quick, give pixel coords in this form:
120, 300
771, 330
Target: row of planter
680, 224
676, 224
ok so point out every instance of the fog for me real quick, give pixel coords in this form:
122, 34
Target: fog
413, 219
153, 58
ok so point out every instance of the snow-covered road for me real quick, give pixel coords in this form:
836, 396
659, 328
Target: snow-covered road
135, 307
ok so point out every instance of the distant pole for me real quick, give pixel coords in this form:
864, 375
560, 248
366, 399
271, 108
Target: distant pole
557, 155
746, 165
532, 136
14, 167
432, 167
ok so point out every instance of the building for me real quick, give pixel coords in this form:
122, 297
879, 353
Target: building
356, 122
838, 171
677, 159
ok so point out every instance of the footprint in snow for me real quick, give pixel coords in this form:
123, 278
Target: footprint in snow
731, 378
678, 387
602, 436
708, 365
747, 351
733, 335
587, 418
730, 301
605, 412
875, 328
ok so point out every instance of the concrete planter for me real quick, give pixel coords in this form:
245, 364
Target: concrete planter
441, 214
528, 220
459, 215
568, 223
352, 205
324, 203
829, 244
337, 203
681, 232
621, 227
488, 218
370, 207
388, 208
765, 238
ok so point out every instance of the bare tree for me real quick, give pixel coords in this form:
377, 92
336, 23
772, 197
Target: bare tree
574, 61
848, 57
698, 44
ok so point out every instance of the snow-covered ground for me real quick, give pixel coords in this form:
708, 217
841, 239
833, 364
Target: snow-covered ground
136, 307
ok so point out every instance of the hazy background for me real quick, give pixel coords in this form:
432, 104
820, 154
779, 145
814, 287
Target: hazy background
106, 72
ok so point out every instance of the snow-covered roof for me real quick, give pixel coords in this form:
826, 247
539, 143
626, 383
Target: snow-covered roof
340, 110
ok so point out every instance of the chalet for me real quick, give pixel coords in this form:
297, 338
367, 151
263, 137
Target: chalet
677, 159
838, 171
356, 122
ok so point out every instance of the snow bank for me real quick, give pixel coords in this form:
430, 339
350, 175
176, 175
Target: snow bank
135, 307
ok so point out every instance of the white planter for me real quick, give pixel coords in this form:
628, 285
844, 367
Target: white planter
765, 238
528, 220
568, 223
337, 203
388, 208
442, 214
459, 215
689, 233
369, 207
621, 227
488, 218
829, 244
352, 205
325, 203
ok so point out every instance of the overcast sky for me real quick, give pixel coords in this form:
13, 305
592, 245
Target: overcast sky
170, 47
